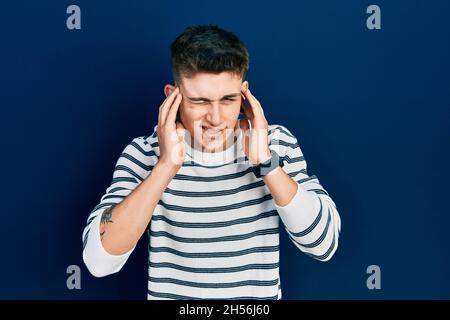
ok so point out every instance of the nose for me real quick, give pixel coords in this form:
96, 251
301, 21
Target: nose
214, 117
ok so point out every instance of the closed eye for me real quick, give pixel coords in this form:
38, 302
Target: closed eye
229, 99
200, 102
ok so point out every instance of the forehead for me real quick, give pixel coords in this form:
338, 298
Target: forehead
209, 85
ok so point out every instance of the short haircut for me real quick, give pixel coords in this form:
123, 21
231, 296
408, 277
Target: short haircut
210, 49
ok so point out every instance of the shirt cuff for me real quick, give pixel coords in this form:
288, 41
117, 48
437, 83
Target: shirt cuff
99, 262
301, 211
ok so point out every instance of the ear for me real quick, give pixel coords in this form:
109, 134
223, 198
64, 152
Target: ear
244, 86
168, 89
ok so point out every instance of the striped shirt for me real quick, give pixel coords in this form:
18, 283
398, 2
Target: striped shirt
215, 232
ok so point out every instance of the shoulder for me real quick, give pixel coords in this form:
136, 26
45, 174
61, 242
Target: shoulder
282, 140
143, 146
278, 132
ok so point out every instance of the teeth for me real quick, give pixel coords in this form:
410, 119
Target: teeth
212, 131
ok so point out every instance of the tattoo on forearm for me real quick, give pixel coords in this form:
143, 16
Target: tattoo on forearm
106, 218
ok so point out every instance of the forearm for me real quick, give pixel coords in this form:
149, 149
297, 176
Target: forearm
312, 221
281, 186
297, 206
122, 227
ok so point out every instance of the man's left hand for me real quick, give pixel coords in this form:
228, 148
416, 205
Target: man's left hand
255, 127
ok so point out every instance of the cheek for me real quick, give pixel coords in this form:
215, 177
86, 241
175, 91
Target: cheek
232, 112
190, 114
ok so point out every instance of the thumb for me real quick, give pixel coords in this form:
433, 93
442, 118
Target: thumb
181, 130
244, 125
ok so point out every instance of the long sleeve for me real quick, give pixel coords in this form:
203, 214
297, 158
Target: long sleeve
311, 217
129, 171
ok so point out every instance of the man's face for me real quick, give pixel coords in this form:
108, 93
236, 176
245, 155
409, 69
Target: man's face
210, 108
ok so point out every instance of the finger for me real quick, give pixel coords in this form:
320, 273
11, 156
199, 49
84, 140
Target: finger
166, 106
172, 113
247, 108
160, 107
254, 103
181, 130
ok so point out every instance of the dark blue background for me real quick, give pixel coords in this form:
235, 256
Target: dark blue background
370, 109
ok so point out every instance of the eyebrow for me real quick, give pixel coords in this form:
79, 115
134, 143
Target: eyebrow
227, 96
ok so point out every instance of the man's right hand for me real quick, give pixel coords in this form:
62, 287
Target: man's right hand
171, 133
122, 226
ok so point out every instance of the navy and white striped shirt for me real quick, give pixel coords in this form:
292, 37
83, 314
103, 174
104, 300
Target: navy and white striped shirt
215, 232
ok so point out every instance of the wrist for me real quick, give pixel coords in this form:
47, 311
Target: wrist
268, 165
167, 167
264, 158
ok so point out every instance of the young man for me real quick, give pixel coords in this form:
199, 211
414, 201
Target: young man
211, 188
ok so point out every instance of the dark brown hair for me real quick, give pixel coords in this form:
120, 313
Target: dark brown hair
208, 48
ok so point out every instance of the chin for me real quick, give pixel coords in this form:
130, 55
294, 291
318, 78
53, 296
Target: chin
214, 146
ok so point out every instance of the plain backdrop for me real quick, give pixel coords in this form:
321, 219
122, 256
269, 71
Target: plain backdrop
370, 109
